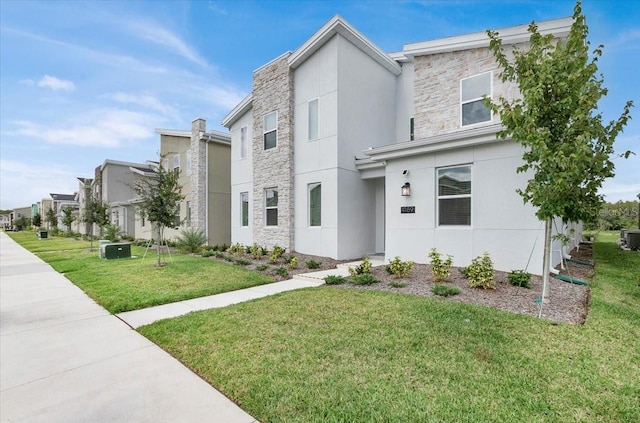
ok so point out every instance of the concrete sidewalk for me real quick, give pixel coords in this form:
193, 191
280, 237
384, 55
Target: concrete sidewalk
63, 358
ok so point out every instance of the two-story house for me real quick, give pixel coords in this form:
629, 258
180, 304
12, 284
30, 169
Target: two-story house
203, 160
342, 150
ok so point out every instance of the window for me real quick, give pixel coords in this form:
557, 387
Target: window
270, 128
471, 92
313, 119
177, 217
271, 207
176, 163
187, 163
411, 134
244, 206
188, 218
165, 164
454, 196
315, 205
243, 142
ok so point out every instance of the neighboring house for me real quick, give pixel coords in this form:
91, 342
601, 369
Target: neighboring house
203, 160
17, 215
5, 220
342, 150
82, 196
113, 183
60, 202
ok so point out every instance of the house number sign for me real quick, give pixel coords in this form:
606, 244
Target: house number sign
408, 209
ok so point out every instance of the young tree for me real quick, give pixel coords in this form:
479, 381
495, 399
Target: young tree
160, 197
37, 220
52, 218
95, 213
68, 218
556, 120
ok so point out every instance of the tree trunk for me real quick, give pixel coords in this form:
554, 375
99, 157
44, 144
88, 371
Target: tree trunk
159, 242
546, 261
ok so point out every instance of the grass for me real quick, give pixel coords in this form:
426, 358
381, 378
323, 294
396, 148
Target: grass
130, 284
331, 355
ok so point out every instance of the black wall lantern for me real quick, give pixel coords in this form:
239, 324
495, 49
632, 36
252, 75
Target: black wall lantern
406, 189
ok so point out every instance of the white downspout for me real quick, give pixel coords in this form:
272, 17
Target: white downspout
206, 190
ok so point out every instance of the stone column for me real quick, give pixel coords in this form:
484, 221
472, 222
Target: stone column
198, 180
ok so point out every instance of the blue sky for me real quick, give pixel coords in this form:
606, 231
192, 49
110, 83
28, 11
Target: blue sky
81, 82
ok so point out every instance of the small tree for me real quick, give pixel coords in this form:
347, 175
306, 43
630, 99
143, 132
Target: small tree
68, 218
37, 220
95, 213
160, 197
52, 218
567, 146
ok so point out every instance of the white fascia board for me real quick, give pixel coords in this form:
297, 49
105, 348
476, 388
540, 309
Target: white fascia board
142, 172
510, 35
119, 163
337, 25
218, 137
173, 132
237, 112
460, 139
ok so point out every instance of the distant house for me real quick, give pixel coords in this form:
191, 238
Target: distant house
5, 220
20, 216
82, 197
203, 160
343, 150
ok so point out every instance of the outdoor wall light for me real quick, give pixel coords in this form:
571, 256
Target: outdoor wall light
406, 189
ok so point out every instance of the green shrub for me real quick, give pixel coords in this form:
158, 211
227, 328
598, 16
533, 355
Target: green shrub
480, 272
293, 262
363, 268
276, 253
207, 253
191, 240
261, 267
219, 254
242, 262
464, 271
445, 290
520, 278
335, 280
398, 284
399, 268
207, 247
111, 232
236, 248
313, 264
257, 251
281, 271
363, 279
440, 268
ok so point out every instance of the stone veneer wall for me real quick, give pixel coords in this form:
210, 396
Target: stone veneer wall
437, 88
198, 175
273, 168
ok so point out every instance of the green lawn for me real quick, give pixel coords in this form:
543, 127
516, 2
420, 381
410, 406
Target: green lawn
337, 355
130, 284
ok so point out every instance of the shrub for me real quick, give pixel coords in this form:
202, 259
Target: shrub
293, 262
276, 253
363, 279
207, 247
207, 253
191, 240
257, 251
313, 264
520, 278
363, 268
480, 272
445, 290
400, 268
236, 248
242, 262
111, 232
464, 271
261, 267
218, 254
281, 271
439, 267
398, 284
335, 280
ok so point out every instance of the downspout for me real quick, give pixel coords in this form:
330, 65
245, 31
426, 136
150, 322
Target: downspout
206, 190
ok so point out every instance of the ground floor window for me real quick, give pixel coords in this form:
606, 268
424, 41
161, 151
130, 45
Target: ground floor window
315, 204
244, 207
271, 207
454, 196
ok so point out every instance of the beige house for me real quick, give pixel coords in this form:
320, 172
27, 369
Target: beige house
203, 159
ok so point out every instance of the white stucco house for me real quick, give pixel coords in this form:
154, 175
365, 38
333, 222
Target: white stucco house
343, 150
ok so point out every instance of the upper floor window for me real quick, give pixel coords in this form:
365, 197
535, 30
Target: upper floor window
472, 90
176, 163
165, 164
187, 164
411, 130
271, 207
243, 142
454, 195
315, 205
313, 119
244, 205
270, 130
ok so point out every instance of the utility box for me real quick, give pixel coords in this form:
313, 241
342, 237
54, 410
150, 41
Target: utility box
633, 240
115, 250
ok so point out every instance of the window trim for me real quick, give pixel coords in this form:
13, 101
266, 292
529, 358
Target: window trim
265, 132
309, 188
317, 120
242, 202
270, 207
243, 142
176, 168
490, 95
444, 197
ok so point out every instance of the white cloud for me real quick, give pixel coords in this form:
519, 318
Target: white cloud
156, 33
56, 84
214, 6
625, 39
98, 128
143, 100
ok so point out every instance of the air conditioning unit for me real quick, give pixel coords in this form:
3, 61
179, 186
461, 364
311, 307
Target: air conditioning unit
633, 240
